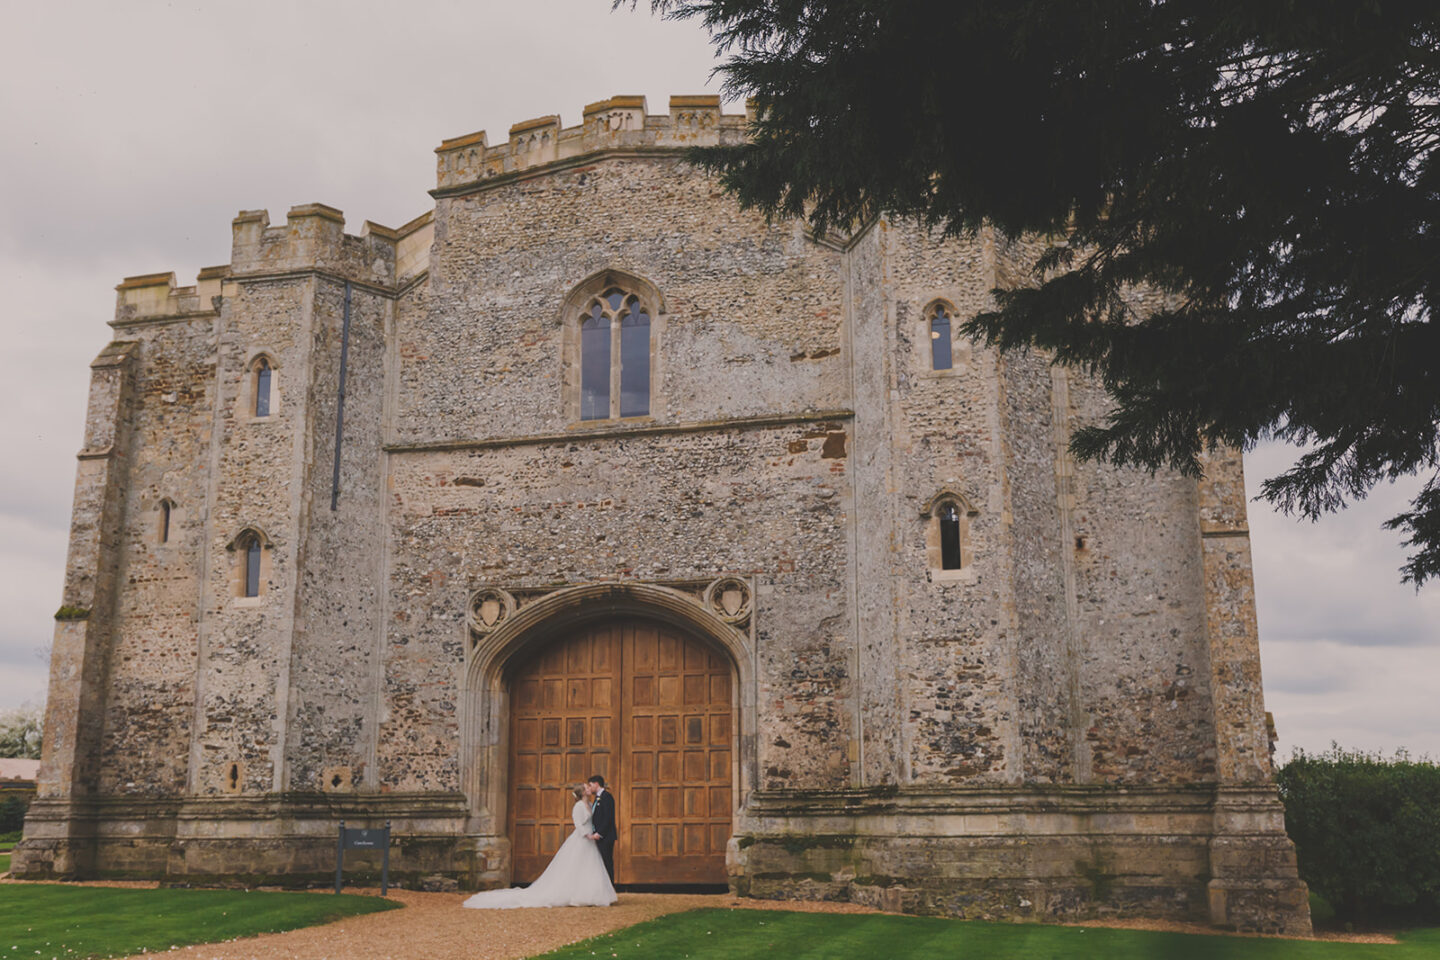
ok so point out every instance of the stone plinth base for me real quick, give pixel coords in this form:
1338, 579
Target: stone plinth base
1255, 883
1048, 853
1024, 853
285, 840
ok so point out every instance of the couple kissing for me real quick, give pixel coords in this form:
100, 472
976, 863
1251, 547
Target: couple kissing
582, 872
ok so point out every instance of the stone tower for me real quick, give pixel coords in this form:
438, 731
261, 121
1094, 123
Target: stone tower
587, 469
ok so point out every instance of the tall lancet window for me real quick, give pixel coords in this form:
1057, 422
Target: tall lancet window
614, 357
950, 556
251, 549
262, 388
595, 364
634, 359
940, 356
165, 508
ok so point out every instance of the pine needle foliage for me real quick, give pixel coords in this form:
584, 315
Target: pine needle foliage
1268, 165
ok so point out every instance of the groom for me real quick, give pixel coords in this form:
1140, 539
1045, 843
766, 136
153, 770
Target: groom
602, 817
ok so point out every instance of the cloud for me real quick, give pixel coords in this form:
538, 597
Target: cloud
32, 559
1337, 579
1383, 698
1349, 653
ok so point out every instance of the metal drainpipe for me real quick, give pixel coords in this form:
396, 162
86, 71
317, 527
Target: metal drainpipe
340, 399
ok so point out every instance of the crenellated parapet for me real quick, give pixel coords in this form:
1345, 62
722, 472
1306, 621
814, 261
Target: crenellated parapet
620, 123
313, 237
154, 296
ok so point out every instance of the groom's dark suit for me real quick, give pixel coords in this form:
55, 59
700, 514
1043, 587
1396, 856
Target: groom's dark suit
602, 818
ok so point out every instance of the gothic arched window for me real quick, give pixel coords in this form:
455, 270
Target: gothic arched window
263, 376
165, 507
949, 518
614, 356
941, 357
947, 535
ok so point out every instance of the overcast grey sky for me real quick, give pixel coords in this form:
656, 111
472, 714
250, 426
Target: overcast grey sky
133, 132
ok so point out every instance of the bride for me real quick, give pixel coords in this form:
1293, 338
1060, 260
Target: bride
575, 876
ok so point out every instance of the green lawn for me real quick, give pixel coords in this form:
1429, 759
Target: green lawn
738, 934
54, 921
5, 848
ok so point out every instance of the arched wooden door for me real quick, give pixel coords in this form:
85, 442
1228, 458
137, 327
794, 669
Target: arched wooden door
648, 708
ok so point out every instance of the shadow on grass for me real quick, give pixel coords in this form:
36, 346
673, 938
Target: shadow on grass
734, 934
57, 921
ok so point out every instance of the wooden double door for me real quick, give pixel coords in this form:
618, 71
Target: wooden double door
649, 709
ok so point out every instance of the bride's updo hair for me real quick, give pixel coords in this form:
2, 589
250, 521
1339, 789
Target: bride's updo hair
578, 792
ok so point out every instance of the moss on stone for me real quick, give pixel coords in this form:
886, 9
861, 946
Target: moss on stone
792, 843
1102, 884
877, 881
67, 612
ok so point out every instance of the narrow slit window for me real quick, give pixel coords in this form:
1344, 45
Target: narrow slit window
950, 557
634, 360
940, 355
262, 388
164, 521
252, 566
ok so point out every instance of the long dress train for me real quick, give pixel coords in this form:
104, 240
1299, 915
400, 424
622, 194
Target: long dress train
575, 876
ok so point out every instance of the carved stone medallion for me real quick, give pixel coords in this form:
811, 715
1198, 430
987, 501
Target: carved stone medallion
489, 607
729, 599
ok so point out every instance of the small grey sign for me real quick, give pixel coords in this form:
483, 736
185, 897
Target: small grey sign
363, 838
366, 839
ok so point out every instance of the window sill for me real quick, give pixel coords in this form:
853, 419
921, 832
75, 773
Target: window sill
963, 575
247, 601
611, 422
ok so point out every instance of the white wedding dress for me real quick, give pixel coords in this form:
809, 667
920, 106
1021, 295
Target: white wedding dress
575, 877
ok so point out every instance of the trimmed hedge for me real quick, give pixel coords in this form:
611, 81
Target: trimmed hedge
12, 813
1367, 833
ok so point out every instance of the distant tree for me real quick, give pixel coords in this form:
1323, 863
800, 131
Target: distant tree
1268, 164
21, 732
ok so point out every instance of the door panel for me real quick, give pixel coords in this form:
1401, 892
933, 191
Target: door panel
649, 709
563, 729
679, 835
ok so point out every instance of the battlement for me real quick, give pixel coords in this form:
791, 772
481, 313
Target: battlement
619, 123
154, 296
313, 237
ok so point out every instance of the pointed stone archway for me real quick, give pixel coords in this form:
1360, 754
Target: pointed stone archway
513, 637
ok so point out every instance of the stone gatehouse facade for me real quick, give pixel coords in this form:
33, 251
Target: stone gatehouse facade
587, 469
